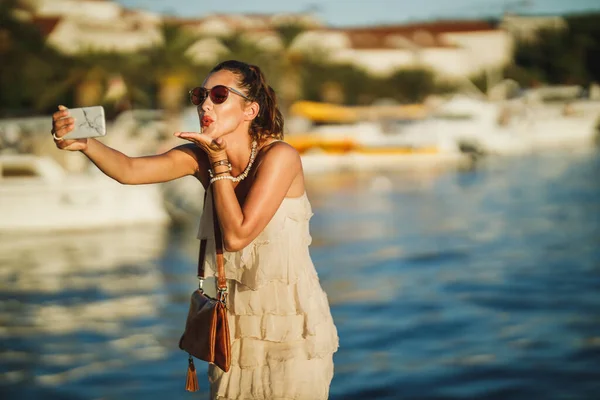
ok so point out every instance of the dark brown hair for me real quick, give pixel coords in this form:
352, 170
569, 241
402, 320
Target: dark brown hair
269, 121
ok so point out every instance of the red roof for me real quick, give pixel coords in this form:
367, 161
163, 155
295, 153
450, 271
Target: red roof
426, 34
45, 24
442, 26
422, 35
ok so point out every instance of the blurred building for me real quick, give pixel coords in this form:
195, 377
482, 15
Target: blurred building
75, 26
260, 30
223, 25
527, 27
451, 49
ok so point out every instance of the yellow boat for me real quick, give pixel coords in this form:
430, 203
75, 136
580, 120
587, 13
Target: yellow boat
339, 116
311, 142
333, 113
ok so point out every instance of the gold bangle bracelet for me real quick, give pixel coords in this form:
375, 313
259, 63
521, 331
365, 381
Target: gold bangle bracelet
221, 162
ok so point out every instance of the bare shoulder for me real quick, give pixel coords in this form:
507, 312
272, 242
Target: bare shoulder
281, 153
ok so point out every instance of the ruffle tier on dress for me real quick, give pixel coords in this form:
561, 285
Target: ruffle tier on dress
282, 333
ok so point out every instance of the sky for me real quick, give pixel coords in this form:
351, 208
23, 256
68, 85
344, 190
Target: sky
367, 12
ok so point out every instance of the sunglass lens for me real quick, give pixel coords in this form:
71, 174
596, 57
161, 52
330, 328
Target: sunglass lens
197, 95
218, 94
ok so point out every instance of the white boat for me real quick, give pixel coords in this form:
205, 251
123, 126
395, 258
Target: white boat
37, 194
512, 127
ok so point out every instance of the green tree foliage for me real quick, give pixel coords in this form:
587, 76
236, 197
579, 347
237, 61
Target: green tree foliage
28, 65
355, 85
569, 56
290, 65
168, 66
289, 32
170, 56
358, 87
98, 68
410, 85
282, 67
244, 49
586, 28
556, 54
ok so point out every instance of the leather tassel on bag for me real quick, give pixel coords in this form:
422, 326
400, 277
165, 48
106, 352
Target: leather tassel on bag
191, 383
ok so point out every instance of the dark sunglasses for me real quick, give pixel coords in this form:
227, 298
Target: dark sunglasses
218, 94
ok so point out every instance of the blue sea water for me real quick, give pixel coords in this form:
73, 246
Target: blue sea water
481, 283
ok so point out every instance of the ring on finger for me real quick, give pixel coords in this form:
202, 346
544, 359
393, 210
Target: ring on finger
57, 138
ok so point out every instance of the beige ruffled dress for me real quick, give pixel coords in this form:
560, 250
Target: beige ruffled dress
282, 334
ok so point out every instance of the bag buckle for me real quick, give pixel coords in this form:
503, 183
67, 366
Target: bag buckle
200, 283
222, 295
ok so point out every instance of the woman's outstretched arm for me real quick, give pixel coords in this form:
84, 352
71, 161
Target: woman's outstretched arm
178, 162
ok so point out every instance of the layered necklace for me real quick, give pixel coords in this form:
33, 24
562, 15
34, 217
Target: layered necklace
244, 174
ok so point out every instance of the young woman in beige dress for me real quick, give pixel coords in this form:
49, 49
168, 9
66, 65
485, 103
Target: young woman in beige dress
283, 337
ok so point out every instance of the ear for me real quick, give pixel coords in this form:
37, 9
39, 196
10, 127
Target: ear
251, 111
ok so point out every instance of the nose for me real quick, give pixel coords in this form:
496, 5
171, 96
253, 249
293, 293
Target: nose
206, 104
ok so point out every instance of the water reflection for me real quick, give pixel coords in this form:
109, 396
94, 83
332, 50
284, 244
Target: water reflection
471, 285
106, 260
79, 304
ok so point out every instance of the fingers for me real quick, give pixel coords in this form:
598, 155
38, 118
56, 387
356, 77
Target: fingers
187, 134
63, 126
195, 137
62, 144
215, 145
61, 122
205, 142
61, 113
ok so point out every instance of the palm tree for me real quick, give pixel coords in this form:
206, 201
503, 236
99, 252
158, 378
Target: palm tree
292, 65
90, 73
172, 68
282, 67
28, 64
242, 48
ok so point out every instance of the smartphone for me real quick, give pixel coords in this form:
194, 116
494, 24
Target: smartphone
89, 122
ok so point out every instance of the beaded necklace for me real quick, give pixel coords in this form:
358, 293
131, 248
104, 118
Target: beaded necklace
244, 174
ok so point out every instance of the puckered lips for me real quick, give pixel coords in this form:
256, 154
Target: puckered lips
205, 121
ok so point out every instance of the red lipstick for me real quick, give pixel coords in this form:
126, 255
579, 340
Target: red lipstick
206, 121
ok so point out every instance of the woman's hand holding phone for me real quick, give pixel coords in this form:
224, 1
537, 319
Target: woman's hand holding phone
72, 128
62, 124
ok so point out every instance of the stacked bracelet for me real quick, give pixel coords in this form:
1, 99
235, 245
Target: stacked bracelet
221, 177
212, 173
222, 162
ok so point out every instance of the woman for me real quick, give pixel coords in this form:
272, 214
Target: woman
283, 336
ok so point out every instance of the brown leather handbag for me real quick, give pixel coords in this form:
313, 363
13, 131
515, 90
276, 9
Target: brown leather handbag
206, 334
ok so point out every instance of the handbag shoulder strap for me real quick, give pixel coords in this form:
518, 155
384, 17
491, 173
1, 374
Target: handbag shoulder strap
221, 279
